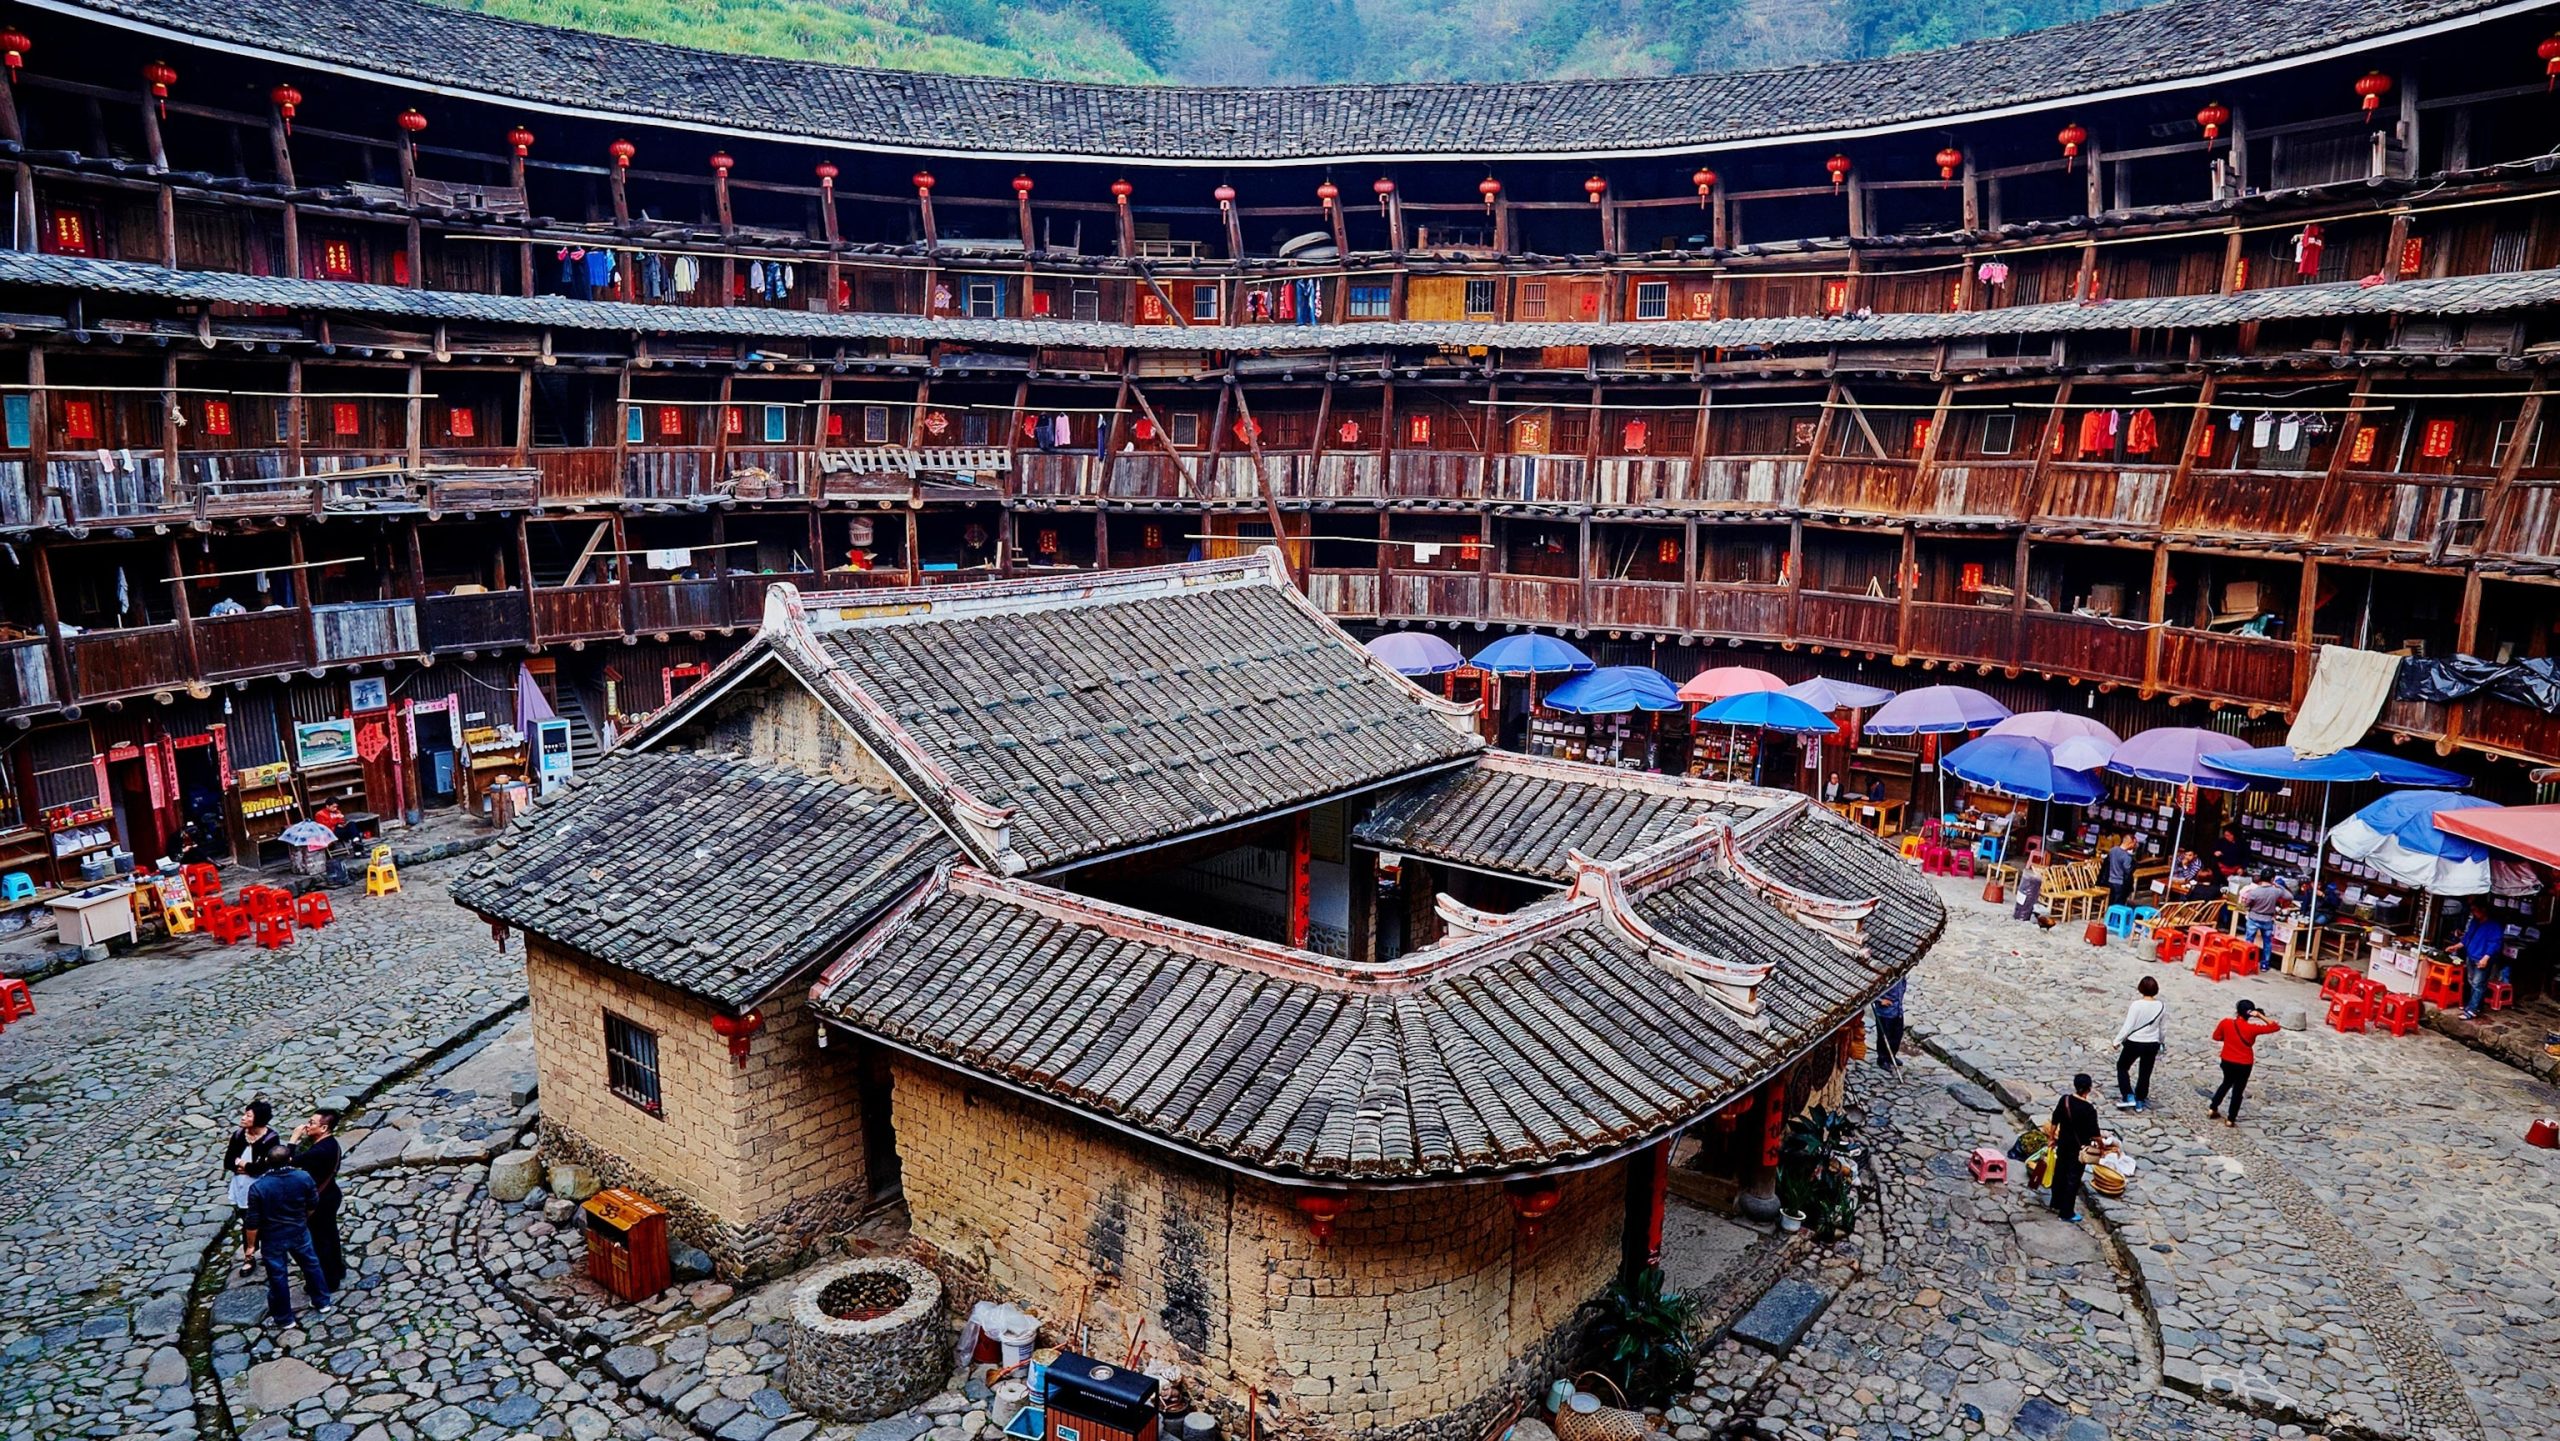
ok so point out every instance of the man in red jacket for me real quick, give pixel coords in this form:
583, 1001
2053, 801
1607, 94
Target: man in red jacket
2238, 1033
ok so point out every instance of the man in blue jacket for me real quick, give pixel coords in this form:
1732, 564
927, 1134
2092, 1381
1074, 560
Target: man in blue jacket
281, 1200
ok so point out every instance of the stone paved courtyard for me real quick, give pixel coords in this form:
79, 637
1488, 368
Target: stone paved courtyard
2370, 1254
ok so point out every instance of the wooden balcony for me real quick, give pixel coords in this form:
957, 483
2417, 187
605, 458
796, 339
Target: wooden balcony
256, 643
1860, 621
1977, 490
1535, 600
747, 592
2072, 645
2528, 527
1640, 481
2514, 729
120, 662
673, 473
1050, 475
669, 605
2414, 717
576, 476
1433, 595
2255, 503
493, 620
2250, 669
1427, 474
1750, 482
136, 486
364, 630
586, 612
1635, 605
2115, 497
1977, 633
1872, 487
2428, 514
26, 676
1546, 479
1759, 612
1352, 593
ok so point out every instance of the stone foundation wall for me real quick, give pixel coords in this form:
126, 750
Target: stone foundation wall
1419, 1320
754, 1164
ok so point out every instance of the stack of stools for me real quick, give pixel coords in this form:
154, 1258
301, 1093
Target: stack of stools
2226, 957
2440, 984
381, 877
271, 912
2350, 998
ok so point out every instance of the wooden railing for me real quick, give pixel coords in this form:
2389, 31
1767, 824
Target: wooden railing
26, 676
490, 621
2128, 497
1876, 486
1535, 599
2432, 513
680, 605
571, 476
1977, 489
2073, 645
1553, 479
1635, 605
2245, 668
1963, 632
252, 643
364, 630
118, 662
1433, 595
2247, 502
2505, 726
2413, 717
1344, 592
132, 484
1422, 475
1730, 610
1641, 481
581, 613
1865, 622
1751, 481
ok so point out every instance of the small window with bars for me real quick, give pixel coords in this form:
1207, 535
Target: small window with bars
631, 1063
875, 425
1653, 299
1533, 300
1480, 299
1186, 429
1371, 302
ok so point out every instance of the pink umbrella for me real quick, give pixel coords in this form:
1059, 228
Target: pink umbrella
1709, 686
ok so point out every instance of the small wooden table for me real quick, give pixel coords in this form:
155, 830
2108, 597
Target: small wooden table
1882, 817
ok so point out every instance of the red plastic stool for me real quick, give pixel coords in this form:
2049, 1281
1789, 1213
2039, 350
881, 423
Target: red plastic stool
204, 882
16, 1001
2398, 1012
1987, 1165
225, 922
313, 910
2349, 1013
1933, 859
2338, 981
2501, 995
2170, 946
266, 902
275, 932
2440, 984
1959, 862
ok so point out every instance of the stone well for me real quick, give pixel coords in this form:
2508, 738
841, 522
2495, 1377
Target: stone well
868, 1339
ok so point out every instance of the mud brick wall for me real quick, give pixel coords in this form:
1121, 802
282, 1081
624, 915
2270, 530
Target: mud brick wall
1421, 1317
756, 1163
782, 724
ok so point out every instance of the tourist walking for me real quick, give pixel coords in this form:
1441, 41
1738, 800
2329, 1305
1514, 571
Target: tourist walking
239, 1154
1889, 1023
315, 1150
2238, 1033
2074, 1125
2138, 1045
2483, 946
280, 1204
2262, 905
2118, 874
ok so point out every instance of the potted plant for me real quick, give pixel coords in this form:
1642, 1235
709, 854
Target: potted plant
1816, 1173
1639, 1337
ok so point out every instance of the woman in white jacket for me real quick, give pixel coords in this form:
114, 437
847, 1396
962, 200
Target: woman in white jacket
2138, 1045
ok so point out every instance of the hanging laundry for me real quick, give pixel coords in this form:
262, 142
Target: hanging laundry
599, 269
1994, 273
2142, 435
755, 277
2289, 432
1287, 303
2262, 430
688, 274
2236, 420
124, 595
1632, 438
2093, 432
2306, 251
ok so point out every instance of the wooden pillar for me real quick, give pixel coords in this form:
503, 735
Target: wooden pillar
23, 225
297, 418
165, 199
524, 416
829, 231
416, 424
415, 237
524, 249
728, 228
622, 428
172, 421
1905, 583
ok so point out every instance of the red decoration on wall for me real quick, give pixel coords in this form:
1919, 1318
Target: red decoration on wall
1382, 187
733, 420
922, 180
1666, 551
739, 1032
1705, 180
2360, 450
1121, 190
1632, 437
1950, 160
413, 122
1022, 185
1225, 195
1143, 429
1048, 541
1835, 296
2413, 254
286, 100
835, 425
1348, 433
1490, 189
1969, 580
2435, 442
1532, 1201
622, 151
1327, 193
1838, 168
79, 420
70, 233
521, 139
217, 417
399, 267
1248, 433
345, 417
722, 163
461, 423
670, 421
1417, 430
1595, 187
1151, 536
1322, 1209
2549, 50
1920, 432
936, 424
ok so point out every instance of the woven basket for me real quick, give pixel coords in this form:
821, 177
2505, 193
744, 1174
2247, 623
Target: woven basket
1608, 1423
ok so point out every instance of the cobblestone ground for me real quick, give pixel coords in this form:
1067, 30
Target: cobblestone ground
114, 1101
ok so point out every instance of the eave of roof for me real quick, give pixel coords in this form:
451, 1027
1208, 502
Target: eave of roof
2177, 44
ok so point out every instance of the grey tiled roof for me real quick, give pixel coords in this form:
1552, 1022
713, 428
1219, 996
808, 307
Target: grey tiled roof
1521, 816
1106, 712
2453, 295
411, 41
1555, 1038
713, 874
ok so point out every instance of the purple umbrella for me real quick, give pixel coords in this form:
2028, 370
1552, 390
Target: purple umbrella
1936, 710
2053, 727
2174, 755
1415, 652
1827, 695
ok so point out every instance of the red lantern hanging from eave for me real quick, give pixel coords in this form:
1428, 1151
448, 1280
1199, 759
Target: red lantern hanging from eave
1595, 187
1490, 189
1022, 185
1950, 160
160, 75
2549, 50
1532, 1202
1705, 180
1382, 187
2373, 87
14, 45
521, 140
827, 173
739, 1032
722, 164
286, 100
2212, 118
1838, 167
2072, 136
412, 122
622, 151
1121, 190
1322, 1209
923, 182
1225, 195
1326, 194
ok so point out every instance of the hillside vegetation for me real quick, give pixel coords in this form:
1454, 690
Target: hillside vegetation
1243, 42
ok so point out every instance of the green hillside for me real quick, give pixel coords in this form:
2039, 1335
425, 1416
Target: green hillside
1248, 42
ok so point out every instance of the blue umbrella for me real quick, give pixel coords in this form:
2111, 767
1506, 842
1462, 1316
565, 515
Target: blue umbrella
1615, 690
1414, 652
1530, 653
2282, 763
1773, 710
2022, 766
2397, 835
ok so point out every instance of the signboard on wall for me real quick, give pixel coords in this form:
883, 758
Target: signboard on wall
368, 692
323, 743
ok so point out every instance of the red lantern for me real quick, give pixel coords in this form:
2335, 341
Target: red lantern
2549, 50
1595, 187
2213, 117
521, 139
1322, 1209
2072, 136
1225, 196
923, 182
286, 100
1022, 185
1490, 189
1950, 160
622, 151
721, 163
1838, 165
161, 75
827, 173
1327, 193
1705, 180
738, 1031
1532, 1202
1382, 187
15, 44
1121, 190
412, 121
2373, 87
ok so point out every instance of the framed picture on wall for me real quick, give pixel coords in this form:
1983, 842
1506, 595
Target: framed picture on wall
323, 743
368, 692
